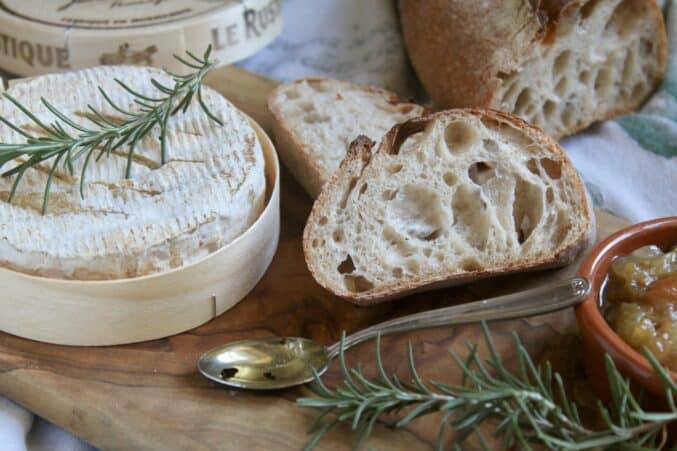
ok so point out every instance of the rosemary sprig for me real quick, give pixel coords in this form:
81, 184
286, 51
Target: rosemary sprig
64, 141
529, 407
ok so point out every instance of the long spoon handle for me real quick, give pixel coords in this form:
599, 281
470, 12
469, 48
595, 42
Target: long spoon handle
537, 301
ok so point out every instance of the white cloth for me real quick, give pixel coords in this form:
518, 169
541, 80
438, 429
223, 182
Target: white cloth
359, 41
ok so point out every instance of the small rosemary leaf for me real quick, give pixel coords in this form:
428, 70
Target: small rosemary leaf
83, 173
207, 53
412, 369
319, 434
317, 422
416, 412
347, 380
533, 373
25, 111
360, 409
564, 398
45, 200
379, 365
206, 109
367, 384
19, 176
135, 93
660, 370
15, 128
199, 61
62, 116
366, 433
319, 387
470, 419
100, 120
442, 429
115, 105
468, 374
187, 63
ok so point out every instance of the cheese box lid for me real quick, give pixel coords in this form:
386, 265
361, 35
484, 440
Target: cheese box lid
41, 36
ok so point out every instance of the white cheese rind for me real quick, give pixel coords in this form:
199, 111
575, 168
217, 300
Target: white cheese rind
210, 191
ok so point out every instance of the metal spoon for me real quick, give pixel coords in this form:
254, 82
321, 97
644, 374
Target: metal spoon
275, 363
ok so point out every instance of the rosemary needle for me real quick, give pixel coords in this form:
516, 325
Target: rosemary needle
527, 407
59, 146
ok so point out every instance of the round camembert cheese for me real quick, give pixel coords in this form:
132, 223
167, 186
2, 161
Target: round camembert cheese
211, 189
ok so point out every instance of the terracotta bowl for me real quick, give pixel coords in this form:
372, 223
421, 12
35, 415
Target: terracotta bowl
598, 336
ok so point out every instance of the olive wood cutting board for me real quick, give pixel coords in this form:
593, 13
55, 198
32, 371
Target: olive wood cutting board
150, 395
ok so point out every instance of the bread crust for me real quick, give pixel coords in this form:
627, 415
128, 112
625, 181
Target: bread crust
294, 152
361, 154
460, 48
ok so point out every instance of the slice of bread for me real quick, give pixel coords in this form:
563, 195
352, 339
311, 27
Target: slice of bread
316, 119
559, 64
446, 199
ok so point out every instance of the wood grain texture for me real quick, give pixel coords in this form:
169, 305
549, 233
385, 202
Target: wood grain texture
150, 395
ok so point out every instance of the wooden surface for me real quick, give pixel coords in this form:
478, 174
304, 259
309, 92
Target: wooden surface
150, 396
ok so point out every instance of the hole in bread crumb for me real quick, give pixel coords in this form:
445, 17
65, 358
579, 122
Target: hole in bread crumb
389, 194
584, 77
292, 94
417, 212
315, 117
397, 242
323, 220
532, 165
427, 252
315, 243
638, 90
490, 145
481, 172
568, 116
523, 100
624, 19
550, 195
470, 221
363, 189
351, 187
307, 106
460, 136
347, 266
629, 69
395, 168
603, 81
470, 264
646, 46
318, 86
527, 209
413, 267
450, 178
552, 168
358, 284
589, 8
562, 62
549, 108
561, 87
338, 235
510, 92
398, 272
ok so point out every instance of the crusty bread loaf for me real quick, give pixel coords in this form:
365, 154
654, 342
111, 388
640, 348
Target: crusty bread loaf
209, 192
315, 119
447, 198
559, 64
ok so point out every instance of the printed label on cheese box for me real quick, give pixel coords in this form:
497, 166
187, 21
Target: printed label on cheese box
41, 36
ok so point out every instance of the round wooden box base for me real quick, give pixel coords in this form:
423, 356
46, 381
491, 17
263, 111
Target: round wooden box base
98, 313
